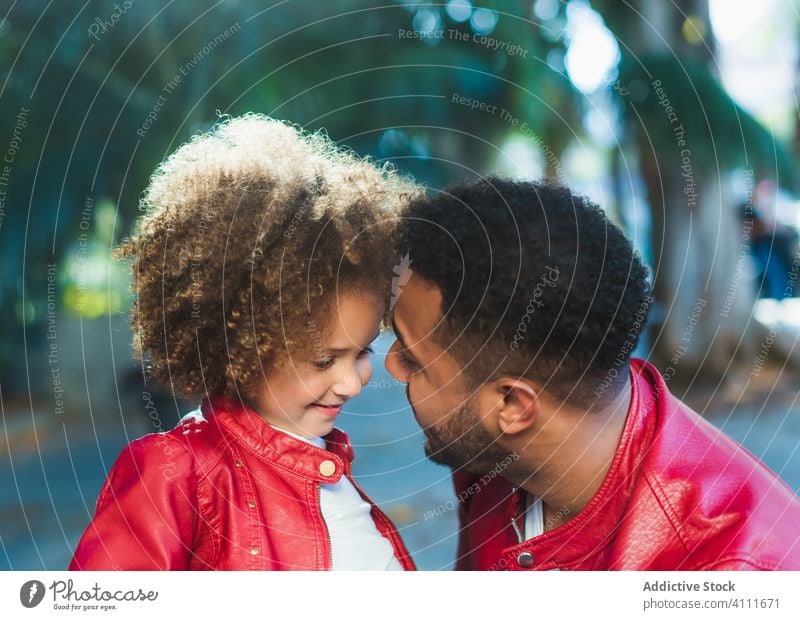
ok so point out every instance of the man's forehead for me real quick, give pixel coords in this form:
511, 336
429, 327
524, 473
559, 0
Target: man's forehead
417, 319
418, 309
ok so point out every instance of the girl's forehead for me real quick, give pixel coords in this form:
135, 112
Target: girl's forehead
354, 322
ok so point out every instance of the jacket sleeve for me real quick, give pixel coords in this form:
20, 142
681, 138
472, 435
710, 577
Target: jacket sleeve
146, 513
462, 482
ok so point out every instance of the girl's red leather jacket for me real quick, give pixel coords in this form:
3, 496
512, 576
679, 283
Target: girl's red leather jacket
223, 490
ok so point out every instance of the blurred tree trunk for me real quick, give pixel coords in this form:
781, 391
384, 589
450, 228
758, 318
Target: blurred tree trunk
695, 236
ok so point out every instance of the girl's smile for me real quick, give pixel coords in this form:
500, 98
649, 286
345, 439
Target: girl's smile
331, 410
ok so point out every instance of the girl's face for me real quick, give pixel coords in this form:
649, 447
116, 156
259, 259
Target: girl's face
304, 396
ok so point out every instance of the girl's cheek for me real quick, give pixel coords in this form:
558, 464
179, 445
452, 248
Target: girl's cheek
365, 370
316, 385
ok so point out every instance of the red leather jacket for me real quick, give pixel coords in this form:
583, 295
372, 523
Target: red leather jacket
221, 491
679, 495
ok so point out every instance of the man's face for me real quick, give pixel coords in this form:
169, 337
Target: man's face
444, 406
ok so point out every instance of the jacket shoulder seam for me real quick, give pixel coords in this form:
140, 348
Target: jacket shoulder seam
210, 450
201, 519
199, 452
193, 472
663, 501
184, 445
209, 468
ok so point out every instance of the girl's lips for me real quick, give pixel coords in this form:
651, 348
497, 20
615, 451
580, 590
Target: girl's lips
330, 410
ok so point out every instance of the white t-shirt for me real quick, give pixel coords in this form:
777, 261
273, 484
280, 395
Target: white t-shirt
356, 543
534, 518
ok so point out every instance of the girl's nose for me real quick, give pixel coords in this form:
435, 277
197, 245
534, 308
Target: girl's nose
349, 382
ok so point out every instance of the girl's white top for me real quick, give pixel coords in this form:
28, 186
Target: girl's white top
356, 543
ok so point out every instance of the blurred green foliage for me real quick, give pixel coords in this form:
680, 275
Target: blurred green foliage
108, 90
112, 89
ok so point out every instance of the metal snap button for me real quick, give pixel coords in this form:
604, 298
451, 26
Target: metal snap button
327, 468
525, 559
254, 551
251, 504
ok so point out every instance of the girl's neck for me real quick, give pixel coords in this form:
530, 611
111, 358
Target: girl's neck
314, 441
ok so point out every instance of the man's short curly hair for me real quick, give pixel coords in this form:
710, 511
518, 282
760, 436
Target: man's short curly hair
535, 282
249, 232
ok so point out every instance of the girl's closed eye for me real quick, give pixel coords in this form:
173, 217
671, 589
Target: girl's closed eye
328, 362
325, 363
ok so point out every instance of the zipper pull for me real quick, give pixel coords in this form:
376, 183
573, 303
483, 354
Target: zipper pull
514, 511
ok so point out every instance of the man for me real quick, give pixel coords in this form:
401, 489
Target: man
514, 334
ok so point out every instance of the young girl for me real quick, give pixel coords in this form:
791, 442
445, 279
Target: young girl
262, 274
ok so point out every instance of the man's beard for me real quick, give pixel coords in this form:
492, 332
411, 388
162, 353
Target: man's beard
461, 442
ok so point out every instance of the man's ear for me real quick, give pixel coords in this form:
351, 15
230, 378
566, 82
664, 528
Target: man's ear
514, 404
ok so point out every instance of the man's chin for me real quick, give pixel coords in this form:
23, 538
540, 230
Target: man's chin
478, 462
442, 456
437, 456
433, 453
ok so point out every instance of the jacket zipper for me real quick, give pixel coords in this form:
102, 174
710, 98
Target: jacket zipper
514, 517
325, 526
516, 530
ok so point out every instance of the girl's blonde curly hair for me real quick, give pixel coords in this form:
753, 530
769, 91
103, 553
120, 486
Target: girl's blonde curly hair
249, 232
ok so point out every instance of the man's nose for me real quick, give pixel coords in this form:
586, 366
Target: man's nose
392, 364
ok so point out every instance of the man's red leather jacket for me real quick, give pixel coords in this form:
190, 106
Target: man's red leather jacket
221, 491
679, 495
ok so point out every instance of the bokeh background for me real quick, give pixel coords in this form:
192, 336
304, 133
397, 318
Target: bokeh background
679, 117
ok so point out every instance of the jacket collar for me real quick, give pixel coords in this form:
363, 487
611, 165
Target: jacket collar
250, 430
593, 528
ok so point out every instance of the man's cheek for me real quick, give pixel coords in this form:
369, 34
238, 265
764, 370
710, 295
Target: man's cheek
415, 397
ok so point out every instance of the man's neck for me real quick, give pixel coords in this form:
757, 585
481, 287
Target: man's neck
568, 462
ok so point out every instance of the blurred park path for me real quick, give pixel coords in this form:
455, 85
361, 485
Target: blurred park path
52, 473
